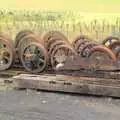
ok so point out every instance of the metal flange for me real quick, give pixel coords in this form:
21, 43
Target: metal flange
34, 58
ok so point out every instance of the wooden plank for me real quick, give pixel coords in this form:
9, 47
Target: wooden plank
81, 85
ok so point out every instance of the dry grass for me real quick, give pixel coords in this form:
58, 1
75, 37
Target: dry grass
71, 23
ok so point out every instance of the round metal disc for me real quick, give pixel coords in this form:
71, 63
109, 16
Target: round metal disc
81, 46
8, 38
79, 39
86, 49
20, 35
26, 41
6, 55
109, 40
52, 41
115, 47
101, 57
52, 34
34, 58
53, 46
60, 55
56, 44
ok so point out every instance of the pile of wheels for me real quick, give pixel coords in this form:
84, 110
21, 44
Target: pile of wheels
33, 52
99, 55
38, 53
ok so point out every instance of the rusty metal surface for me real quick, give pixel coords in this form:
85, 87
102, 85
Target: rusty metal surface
20, 35
79, 39
53, 34
80, 46
86, 49
60, 55
34, 58
115, 47
6, 54
109, 40
8, 38
83, 54
101, 57
55, 44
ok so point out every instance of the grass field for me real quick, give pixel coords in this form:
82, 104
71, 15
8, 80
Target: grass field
96, 25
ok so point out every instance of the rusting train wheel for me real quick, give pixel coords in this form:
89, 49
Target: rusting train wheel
55, 44
52, 41
115, 47
52, 34
7, 37
34, 58
20, 35
109, 40
101, 57
86, 49
81, 46
6, 54
60, 55
25, 41
79, 39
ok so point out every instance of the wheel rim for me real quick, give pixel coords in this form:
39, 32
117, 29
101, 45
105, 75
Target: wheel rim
20, 35
52, 41
80, 39
26, 41
53, 34
81, 46
86, 49
7, 38
60, 55
115, 47
109, 40
101, 57
57, 43
34, 58
6, 55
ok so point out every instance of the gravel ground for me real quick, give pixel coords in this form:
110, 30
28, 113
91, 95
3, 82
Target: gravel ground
32, 105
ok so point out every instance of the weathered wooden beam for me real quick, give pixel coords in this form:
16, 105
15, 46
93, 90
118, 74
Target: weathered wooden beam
81, 85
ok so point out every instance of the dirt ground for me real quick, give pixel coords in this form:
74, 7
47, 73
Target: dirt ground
32, 105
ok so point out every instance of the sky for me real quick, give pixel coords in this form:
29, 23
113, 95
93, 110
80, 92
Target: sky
95, 6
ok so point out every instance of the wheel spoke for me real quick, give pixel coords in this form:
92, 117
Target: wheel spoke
41, 60
6, 58
36, 62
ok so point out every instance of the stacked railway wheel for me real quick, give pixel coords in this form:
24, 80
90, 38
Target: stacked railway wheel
31, 52
34, 57
52, 34
83, 44
59, 48
19, 37
113, 43
101, 58
6, 51
78, 40
109, 40
115, 47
